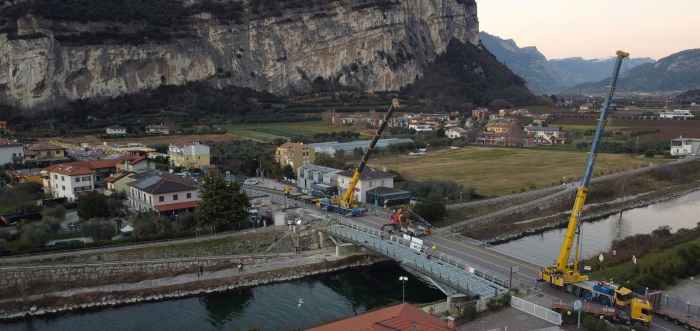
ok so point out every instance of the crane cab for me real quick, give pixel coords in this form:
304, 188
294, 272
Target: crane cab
555, 277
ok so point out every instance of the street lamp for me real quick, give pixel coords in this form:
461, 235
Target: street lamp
403, 280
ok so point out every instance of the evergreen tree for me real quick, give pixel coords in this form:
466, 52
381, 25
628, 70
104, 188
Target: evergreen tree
223, 204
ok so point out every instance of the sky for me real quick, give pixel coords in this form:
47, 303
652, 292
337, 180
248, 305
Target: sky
595, 28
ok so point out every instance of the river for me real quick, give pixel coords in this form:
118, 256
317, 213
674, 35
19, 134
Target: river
284, 306
598, 236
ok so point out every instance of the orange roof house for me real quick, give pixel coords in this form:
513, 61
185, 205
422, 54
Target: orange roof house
403, 317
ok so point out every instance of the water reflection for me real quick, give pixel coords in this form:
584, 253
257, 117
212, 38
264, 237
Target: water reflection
285, 306
542, 249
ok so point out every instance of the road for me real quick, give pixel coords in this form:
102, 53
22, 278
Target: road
537, 197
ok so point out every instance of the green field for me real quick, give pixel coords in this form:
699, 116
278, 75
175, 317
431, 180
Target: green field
266, 132
499, 171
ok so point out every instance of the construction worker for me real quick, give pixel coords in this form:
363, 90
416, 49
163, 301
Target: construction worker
434, 248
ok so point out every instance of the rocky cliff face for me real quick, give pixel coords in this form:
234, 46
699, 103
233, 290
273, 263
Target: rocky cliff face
371, 45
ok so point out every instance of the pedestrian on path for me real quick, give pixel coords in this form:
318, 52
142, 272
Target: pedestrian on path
201, 271
240, 267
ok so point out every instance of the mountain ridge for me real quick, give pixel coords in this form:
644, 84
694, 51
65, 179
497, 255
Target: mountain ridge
545, 75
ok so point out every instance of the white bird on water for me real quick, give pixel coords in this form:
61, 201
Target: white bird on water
301, 302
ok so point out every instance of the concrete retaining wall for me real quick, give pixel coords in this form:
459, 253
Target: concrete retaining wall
24, 280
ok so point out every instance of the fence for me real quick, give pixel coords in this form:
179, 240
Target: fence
442, 268
679, 305
536, 310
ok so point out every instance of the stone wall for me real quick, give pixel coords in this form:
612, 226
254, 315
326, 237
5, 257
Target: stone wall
39, 279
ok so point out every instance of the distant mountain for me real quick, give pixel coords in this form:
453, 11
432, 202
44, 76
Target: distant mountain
550, 76
526, 62
575, 70
675, 73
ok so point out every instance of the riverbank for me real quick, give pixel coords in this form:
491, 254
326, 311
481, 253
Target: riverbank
593, 212
179, 286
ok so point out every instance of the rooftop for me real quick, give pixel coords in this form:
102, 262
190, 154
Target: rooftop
8, 143
161, 183
71, 169
43, 146
351, 145
319, 168
368, 174
403, 317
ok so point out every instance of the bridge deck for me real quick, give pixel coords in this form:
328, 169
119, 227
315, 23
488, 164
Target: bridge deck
442, 268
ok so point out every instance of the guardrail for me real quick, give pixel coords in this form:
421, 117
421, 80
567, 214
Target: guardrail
442, 267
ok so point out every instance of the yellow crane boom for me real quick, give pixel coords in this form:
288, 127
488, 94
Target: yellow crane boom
563, 273
347, 199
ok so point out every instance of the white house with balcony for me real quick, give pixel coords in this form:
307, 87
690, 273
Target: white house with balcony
162, 193
369, 180
69, 180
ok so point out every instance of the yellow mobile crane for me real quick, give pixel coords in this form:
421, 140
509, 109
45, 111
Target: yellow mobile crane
562, 273
345, 203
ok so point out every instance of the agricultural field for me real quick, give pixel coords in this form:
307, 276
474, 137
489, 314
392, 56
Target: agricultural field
497, 171
266, 132
148, 140
646, 129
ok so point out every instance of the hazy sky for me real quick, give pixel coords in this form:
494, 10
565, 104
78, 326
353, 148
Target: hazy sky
595, 28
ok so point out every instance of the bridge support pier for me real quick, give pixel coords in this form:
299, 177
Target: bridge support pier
345, 249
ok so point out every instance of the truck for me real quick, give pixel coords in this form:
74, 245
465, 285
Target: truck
406, 221
616, 303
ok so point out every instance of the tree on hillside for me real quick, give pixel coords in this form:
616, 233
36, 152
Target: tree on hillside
223, 204
93, 205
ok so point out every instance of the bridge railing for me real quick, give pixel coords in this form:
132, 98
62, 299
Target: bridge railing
442, 267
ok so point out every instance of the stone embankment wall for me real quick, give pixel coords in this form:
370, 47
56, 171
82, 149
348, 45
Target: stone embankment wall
54, 304
27, 280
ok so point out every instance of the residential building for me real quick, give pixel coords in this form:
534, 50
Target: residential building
502, 132
295, 155
115, 131
163, 193
682, 147
317, 180
677, 114
194, 156
69, 180
45, 152
455, 133
421, 128
137, 164
403, 317
10, 152
157, 129
480, 114
370, 179
348, 147
3, 126
118, 183
542, 135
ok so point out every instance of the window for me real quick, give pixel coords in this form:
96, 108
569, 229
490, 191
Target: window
63, 178
55, 176
189, 195
77, 179
63, 188
174, 197
161, 198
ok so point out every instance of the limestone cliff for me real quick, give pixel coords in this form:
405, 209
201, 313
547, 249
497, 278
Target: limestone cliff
370, 45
